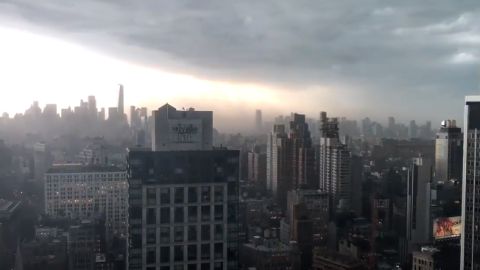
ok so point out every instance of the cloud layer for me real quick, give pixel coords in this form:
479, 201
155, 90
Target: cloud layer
415, 58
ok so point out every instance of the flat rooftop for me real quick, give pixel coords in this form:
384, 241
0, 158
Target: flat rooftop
81, 168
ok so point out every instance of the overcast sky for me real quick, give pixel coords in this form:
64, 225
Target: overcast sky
411, 59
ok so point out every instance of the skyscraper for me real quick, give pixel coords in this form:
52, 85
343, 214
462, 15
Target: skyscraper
302, 153
258, 120
448, 152
419, 180
121, 105
470, 250
183, 197
277, 172
334, 163
92, 106
290, 159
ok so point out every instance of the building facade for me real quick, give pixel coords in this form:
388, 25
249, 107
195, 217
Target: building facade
419, 221
470, 243
83, 191
334, 164
277, 152
448, 152
181, 130
183, 210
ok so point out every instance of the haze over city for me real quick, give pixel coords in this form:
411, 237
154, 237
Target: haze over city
239, 135
351, 60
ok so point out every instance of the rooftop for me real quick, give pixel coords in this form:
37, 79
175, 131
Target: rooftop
81, 168
7, 208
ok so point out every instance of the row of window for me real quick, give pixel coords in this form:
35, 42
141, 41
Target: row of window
183, 253
190, 233
202, 266
194, 195
193, 212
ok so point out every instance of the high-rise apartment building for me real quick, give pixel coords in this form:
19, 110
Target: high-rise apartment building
183, 209
419, 222
317, 207
83, 191
302, 157
277, 169
183, 197
448, 152
181, 130
290, 159
334, 164
470, 240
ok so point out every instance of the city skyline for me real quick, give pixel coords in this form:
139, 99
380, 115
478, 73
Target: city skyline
327, 68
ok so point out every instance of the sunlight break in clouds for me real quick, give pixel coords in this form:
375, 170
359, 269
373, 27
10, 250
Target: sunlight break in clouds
39, 68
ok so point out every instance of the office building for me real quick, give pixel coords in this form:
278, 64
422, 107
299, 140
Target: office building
317, 208
419, 222
258, 121
183, 197
334, 164
448, 152
87, 246
290, 159
121, 106
183, 209
181, 130
42, 160
257, 165
470, 243
436, 257
83, 191
302, 154
277, 172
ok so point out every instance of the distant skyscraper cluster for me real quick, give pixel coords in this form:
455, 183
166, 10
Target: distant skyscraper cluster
166, 191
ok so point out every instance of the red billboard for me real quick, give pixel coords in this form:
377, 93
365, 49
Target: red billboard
447, 227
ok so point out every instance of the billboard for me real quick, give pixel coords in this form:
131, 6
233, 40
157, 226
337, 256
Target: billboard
447, 227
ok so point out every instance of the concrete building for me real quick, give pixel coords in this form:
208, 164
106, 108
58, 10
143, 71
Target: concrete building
181, 130
470, 241
83, 191
183, 209
258, 121
121, 106
334, 164
317, 206
257, 165
277, 150
87, 246
302, 159
436, 257
42, 160
448, 152
419, 221
290, 159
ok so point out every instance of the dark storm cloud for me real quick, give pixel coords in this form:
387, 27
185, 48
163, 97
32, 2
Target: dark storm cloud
423, 51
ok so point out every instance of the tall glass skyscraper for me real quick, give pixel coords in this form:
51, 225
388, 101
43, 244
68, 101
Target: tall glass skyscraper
470, 251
